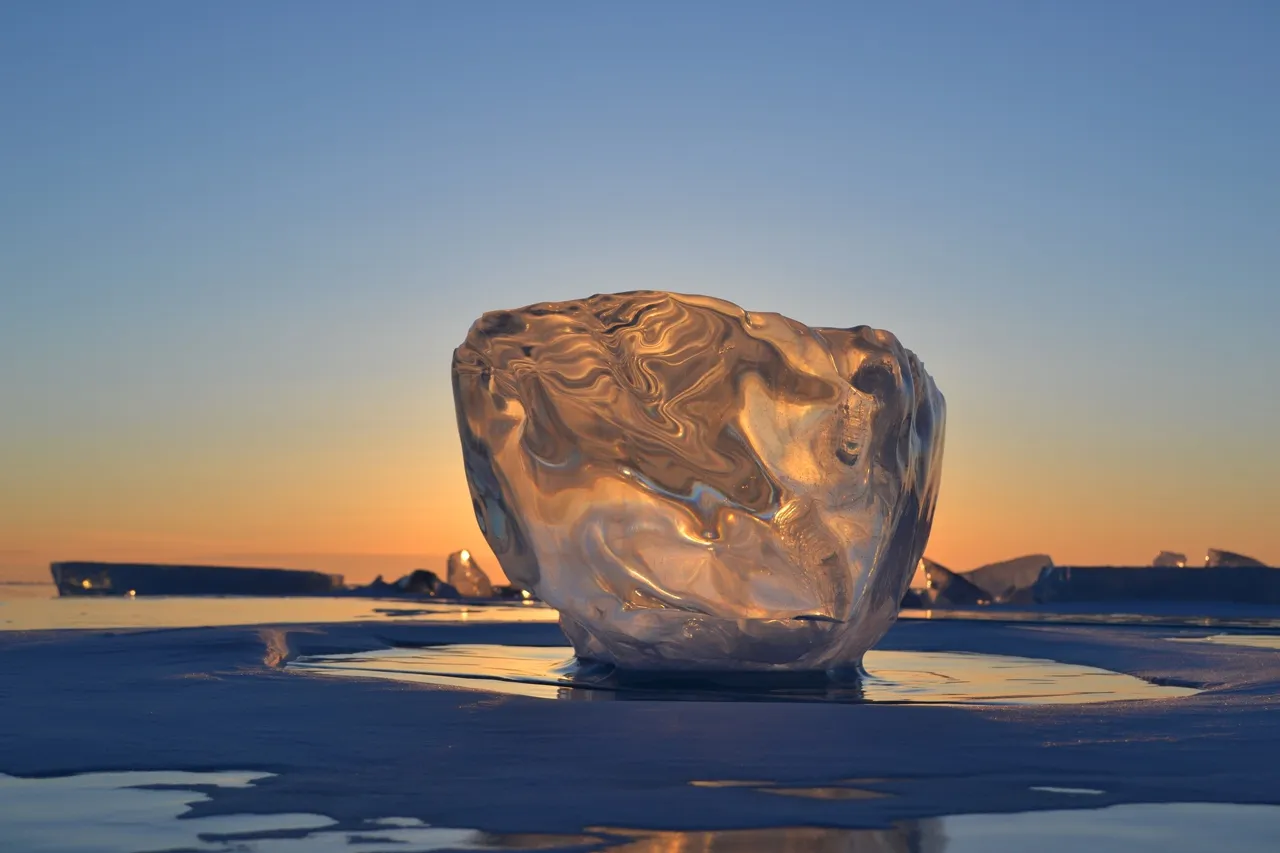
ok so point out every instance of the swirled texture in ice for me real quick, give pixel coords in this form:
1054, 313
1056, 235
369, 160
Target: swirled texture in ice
694, 486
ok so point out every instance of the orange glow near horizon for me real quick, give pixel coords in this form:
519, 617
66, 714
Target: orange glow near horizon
395, 498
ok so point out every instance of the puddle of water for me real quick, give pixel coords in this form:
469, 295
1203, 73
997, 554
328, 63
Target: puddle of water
147, 812
36, 614
891, 677
36, 607
1257, 641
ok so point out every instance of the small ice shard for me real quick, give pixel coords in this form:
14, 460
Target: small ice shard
1217, 558
694, 486
1170, 559
468, 578
920, 579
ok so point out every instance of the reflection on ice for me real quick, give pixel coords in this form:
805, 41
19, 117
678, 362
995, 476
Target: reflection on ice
147, 812
828, 792
207, 612
48, 613
1132, 828
893, 677
1257, 641
913, 837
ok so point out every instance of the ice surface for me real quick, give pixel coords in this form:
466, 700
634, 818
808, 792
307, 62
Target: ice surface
468, 578
694, 486
339, 744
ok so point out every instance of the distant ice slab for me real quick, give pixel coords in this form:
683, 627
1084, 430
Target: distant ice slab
1255, 585
695, 486
1218, 558
81, 577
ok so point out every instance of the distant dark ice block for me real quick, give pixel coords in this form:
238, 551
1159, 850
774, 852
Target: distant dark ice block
945, 588
1238, 584
1009, 581
694, 486
91, 578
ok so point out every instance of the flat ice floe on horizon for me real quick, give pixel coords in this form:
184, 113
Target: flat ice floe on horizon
694, 486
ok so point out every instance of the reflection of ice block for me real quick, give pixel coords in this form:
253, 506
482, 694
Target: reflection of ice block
694, 486
468, 578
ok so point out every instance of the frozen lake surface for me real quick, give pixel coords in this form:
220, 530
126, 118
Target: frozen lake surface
137, 731
151, 811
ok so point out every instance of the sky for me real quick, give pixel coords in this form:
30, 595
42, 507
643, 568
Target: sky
240, 240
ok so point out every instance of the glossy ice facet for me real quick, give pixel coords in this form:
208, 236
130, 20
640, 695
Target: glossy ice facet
467, 577
694, 486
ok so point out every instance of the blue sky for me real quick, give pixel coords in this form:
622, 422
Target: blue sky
255, 231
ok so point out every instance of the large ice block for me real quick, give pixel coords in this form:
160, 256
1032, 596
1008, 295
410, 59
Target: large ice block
695, 486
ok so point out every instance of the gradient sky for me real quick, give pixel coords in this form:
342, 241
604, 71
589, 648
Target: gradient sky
239, 240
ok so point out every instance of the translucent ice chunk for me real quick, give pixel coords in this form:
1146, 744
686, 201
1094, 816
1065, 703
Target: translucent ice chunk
694, 486
1216, 558
468, 578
